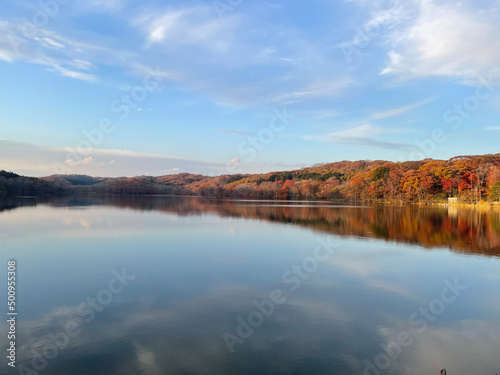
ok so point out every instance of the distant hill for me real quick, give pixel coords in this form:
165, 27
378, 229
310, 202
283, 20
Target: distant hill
14, 184
470, 178
169, 184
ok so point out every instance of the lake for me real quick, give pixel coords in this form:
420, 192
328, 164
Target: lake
168, 285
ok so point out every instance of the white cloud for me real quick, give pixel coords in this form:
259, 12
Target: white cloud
6, 55
73, 164
82, 64
446, 38
50, 43
169, 171
384, 16
74, 74
493, 128
240, 61
187, 26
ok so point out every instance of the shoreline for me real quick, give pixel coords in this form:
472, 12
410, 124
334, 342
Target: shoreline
483, 206
479, 205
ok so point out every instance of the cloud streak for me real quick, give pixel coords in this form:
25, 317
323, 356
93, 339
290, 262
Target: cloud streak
362, 135
239, 132
399, 111
37, 160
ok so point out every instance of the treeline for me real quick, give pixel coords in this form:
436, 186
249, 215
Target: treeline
12, 184
469, 178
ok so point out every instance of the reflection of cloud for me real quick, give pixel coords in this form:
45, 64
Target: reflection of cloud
184, 335
387, 287
477, 329
174, 323
84, 223
95, 222
147, 360
452, 349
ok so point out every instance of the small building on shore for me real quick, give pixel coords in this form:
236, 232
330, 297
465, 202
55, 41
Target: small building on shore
452, 200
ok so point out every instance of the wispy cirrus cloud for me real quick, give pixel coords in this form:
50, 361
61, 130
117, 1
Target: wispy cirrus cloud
363, 135
317, 89
242, 61
399, 111
58, 54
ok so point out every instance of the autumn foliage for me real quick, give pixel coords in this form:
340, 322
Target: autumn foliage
469, 178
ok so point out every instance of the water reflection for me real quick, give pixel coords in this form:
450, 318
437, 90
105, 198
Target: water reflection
467, 231
201, 264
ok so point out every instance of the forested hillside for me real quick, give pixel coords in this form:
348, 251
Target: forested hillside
13, 184
470, 178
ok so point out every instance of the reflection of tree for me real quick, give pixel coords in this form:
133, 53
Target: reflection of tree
466, 231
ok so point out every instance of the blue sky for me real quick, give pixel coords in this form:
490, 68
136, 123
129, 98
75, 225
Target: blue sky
217, 87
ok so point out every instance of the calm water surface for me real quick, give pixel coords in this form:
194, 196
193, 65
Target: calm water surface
356, 290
